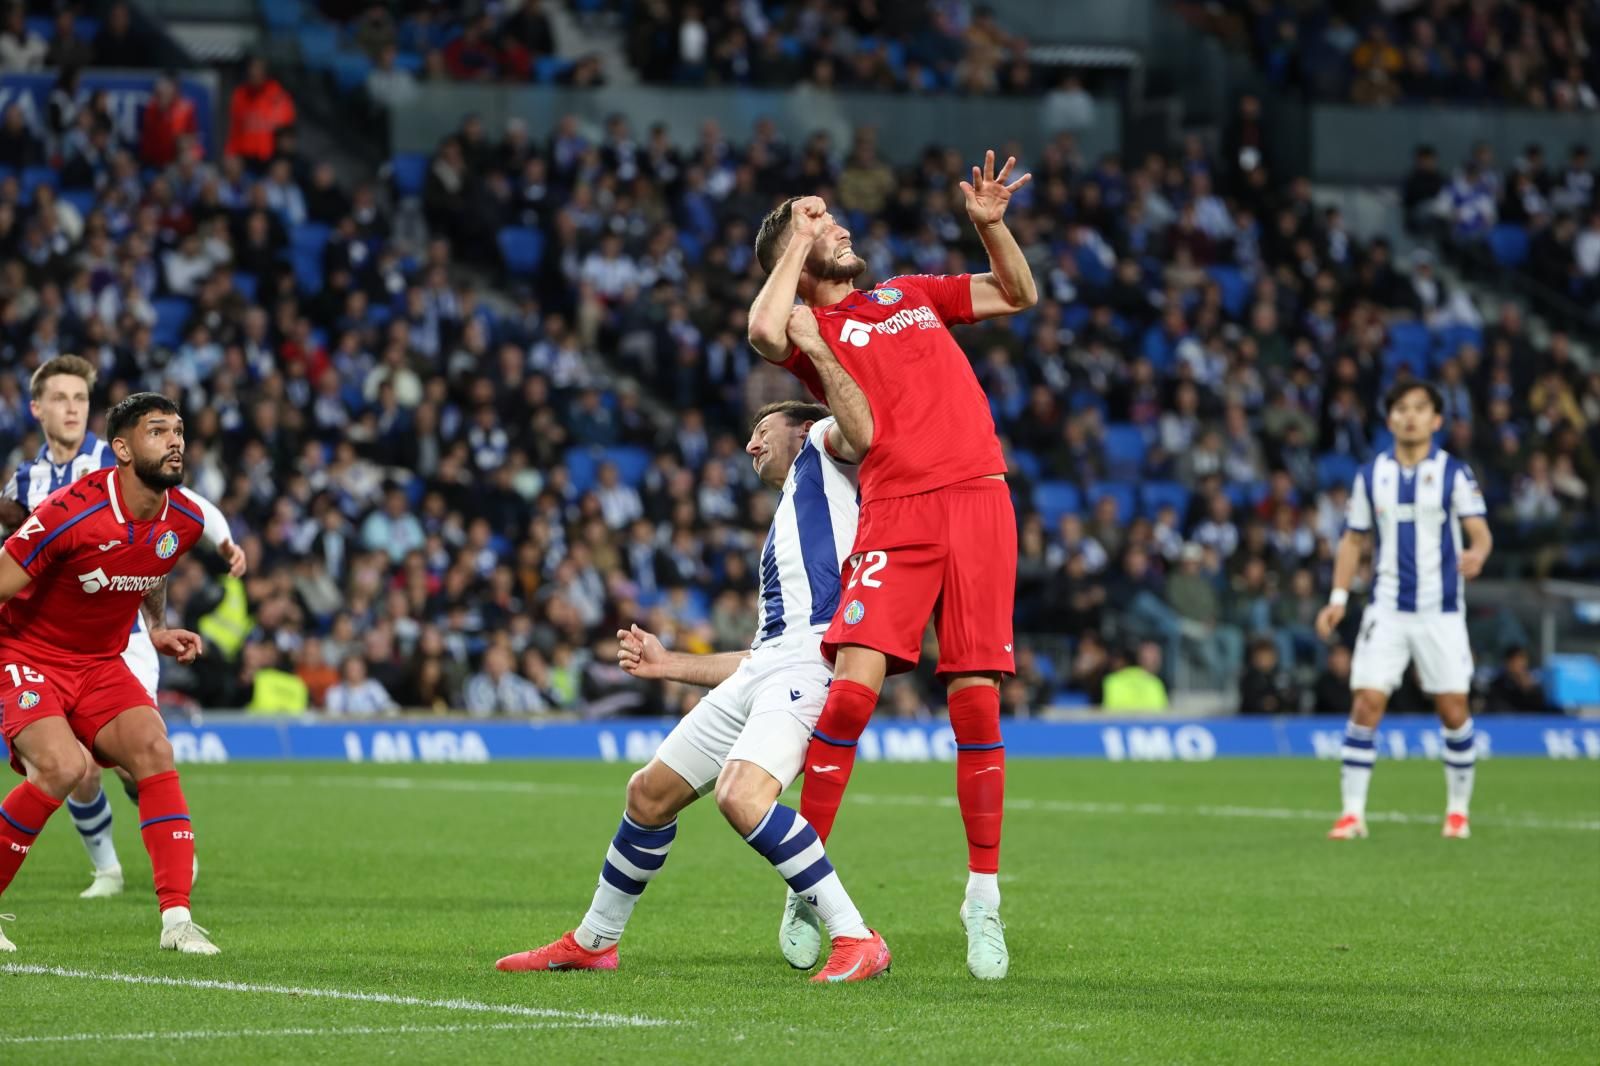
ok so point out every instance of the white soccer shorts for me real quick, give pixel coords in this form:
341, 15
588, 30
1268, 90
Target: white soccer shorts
141, 657
1390, 639
763, 714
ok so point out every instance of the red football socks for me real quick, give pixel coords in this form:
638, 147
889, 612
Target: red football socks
831, 755
22, 814
168, 837
980, 772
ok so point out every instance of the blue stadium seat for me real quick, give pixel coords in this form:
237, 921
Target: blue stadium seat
1572, 681
1410, 338
281, 15
33, 177
1122, 492
1450, 341
83, 199
1069, 697
547, 70
1336, 468
582, 462
1395, 358
410, 171
350, 70
307, 269
310, 237
631, 462
1052, 499
1235, 288
1125, 448
1509, 245
1158, 494
171, 315
1030, 465
1245, 495
521, 249
319, 45
247, 285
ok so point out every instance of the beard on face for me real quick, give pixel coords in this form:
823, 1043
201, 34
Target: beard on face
154, 473
833, 269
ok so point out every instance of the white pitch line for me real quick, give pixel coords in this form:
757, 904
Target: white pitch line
240, 1034
535, 788
591, 1018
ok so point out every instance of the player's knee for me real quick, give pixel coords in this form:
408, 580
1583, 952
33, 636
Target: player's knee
742, 804
58, 772
649, 802
151, 755
1367, 707
88, 786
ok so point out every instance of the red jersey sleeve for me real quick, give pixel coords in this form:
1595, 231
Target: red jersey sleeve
35, 545
800, 365
950, 295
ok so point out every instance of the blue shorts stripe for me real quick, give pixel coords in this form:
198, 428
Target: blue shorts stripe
980, 747
18, 826
644, 860
96, 830
1358, 764
620, 881
826, 739
164, 818
1352, 742
788, 849
811, 874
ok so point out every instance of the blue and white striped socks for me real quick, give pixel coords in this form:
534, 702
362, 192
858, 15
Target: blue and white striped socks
788, 842
1357, 755
93, 820
636, 855
1460, 765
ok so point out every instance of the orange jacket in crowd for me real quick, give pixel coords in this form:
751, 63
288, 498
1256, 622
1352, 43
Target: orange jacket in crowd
162, 126
255, 115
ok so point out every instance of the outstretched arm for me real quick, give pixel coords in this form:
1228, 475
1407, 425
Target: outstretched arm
851, 434
642, 655
1008, 287
217, 535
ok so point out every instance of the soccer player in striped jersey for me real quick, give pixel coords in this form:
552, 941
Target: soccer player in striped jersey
1412, 504
60, 403
748, 736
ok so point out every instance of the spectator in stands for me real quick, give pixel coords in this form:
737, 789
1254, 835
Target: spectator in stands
19, 147
357, 695
313, 669
21, 50
168, 118
259, 109
1265, 686
394, 530
119, 43
68, 51
1515, 689
1331, 695
498, 690
390, 84
1133, 684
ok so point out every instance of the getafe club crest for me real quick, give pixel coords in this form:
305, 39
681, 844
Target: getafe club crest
885, 296
167, 545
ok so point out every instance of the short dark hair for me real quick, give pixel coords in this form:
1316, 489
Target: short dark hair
796, 411
128, 413
774, 234
1400, 389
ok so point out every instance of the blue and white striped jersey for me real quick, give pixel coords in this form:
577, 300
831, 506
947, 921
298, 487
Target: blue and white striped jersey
812, 534
37, 479
1415, 515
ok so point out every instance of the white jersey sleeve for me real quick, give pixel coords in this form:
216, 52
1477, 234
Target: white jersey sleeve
216, 532
1466, 499
1358, 510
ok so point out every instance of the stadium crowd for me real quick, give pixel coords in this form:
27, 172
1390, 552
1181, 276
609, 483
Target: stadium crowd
451, 498
1471, 52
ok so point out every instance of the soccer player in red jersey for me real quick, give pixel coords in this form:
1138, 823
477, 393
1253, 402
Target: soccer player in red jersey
937, 535
72, 579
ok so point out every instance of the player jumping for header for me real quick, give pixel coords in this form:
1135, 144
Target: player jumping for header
92, 556
1417, 500
938, 534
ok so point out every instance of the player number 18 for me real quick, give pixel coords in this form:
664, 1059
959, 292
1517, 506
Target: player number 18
875, 561
25, 673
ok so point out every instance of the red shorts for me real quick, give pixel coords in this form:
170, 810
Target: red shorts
949, 554
88, 694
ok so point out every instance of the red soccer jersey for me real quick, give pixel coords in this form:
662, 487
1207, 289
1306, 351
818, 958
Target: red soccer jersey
91, 565
930, 417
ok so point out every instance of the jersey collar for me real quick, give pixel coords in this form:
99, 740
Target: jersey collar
114, 494
1394, 454
89, 443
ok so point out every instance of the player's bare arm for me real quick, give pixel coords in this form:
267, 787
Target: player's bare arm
1008, 287
181, 644
641, 654
769, 314
1352, 547
851, 434
13, 578
12, 513
1479, 544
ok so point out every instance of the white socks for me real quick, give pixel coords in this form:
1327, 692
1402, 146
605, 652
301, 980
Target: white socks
93, 821
1460, 765
175, 916
984, 889
1357, 755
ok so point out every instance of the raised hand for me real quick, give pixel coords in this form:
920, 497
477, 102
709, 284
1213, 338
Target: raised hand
181, 644
987, 193
809, 218
640, 653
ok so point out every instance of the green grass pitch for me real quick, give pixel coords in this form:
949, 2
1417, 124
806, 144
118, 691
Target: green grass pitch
1169, 913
